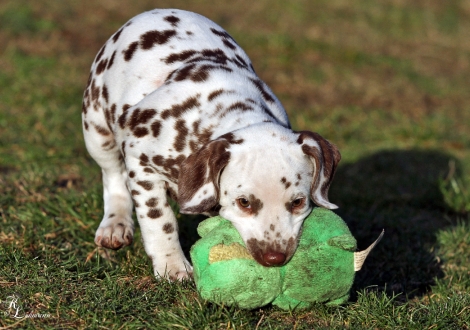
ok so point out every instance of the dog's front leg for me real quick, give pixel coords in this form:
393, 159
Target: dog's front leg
158, 224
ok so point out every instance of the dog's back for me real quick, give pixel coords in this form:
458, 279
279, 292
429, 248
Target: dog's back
163, 47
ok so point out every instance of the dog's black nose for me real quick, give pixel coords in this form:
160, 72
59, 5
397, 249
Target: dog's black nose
274, 258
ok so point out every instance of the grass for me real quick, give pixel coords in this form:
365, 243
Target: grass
386, 81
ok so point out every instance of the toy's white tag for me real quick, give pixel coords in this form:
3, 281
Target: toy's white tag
360, 257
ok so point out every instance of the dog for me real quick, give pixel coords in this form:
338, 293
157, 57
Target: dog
174, 109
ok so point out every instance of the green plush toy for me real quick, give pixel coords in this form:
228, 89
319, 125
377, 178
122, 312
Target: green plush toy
321, 270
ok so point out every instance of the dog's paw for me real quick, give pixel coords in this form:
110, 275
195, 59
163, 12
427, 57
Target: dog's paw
181, 276
175, 272
114, 235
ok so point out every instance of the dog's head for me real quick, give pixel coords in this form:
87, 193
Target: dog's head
263, 180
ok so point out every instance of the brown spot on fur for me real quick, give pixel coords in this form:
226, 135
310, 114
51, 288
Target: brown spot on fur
154, 213
101, 130
184, 72
85, 103
117, 35
158, 160
152, 202
105, 94
242, 61
239, 106
251, 100
129, 52
149, 170
141, 117
222, 34
169, 165
261, 87
144, 159
173, 20
125, 107
122, 117
150, 38
299, 178
272, 227
178, 109
256, 204
101, 66
180, 140
140, 132
203, 136
238, 63
268, 112
100, 53
168, 228
288, 206
111, 60
230, 137
131, 174
214, 94
155, 127
286, 183
109, 145
201, 74
95, 91
229, 44
147, 185
215, 55
135, 192
107, 115
179, 57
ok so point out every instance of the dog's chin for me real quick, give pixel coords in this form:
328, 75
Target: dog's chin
271, 254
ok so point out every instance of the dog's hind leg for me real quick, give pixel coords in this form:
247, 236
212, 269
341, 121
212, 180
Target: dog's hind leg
117, 227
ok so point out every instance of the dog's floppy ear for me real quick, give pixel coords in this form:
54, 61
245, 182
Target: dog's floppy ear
325, 157
198, 181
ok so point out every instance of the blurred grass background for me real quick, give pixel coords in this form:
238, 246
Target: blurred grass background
386, 81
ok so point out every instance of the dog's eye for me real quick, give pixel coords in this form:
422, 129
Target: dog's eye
243, 202
297, 203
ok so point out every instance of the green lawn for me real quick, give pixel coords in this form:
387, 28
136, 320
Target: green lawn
386, 81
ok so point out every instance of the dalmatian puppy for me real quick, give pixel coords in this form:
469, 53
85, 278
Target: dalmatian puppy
174, 108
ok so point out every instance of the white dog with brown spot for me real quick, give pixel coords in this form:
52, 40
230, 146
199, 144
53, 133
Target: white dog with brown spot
173, 107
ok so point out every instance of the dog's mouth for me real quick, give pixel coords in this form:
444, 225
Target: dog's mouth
270, 254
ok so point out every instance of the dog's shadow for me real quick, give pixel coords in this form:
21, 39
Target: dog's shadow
397, 191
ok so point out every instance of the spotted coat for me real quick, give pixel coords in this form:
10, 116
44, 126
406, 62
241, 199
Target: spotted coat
174, 109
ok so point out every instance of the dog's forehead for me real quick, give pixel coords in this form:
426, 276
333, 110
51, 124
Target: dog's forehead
272, 151
276, 168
